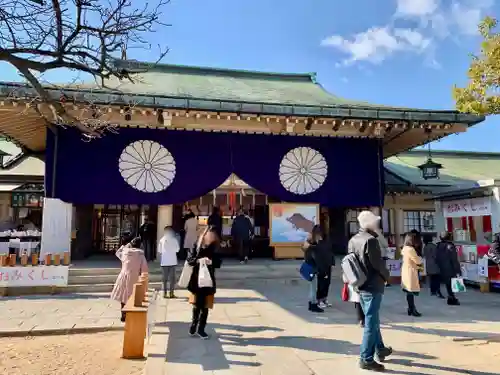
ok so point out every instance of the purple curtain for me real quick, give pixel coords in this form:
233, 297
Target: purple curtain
353, 177
89, 172
147, 166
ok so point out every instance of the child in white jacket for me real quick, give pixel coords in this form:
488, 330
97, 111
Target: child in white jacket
168, 247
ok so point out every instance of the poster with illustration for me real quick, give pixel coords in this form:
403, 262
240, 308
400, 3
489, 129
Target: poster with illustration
291, 222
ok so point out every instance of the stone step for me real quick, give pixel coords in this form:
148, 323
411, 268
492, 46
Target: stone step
92, 278
102, 279
221, 283
229, 266
157, 277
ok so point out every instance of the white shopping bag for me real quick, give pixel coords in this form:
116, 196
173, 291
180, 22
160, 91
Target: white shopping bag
187, 272
457, 285
204, 278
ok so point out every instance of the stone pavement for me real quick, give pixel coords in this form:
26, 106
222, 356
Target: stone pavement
264, 328
71, 313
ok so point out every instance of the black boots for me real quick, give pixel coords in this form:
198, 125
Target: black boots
198, 323
453, 301
313, 307
202, 324
412, 309
194, 321
124, 314
169, 295
414, 312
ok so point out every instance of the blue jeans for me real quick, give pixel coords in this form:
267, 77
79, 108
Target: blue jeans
313, 290
372, 337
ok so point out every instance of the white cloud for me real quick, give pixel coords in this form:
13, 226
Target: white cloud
466, 19
376, 44
444, 18
433, 21
416, 8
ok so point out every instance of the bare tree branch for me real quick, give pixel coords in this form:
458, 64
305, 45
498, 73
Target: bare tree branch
85, 36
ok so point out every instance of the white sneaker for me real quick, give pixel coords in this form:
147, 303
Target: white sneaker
324, 305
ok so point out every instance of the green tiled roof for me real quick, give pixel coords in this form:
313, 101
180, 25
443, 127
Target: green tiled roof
460, 169
228, 85
212, 89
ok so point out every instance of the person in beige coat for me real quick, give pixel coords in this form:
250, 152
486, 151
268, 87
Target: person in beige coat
133, 264
411, 265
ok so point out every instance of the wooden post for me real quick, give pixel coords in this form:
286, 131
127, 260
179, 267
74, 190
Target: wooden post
34, 259
24, 259
143, 279
135, 324
138, 294
12, 260
48, 259
57, 259
133, 338
66, 258
146, 286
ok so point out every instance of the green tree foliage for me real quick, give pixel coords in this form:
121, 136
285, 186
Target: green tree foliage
481, 95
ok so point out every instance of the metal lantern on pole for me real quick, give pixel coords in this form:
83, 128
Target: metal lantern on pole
430, 169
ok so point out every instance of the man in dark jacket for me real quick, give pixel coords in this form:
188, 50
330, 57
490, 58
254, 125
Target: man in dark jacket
367, 249
242, 232
448, 263
147, 232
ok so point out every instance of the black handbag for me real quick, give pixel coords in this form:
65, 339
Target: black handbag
217, 261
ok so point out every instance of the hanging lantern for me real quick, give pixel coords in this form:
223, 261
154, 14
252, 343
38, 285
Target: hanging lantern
430, 169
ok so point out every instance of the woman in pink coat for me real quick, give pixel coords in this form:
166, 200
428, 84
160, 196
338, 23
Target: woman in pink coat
133, 264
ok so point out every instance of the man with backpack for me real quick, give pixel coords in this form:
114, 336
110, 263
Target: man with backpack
365, 270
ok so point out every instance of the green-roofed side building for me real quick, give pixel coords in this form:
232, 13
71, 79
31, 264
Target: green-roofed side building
467, 180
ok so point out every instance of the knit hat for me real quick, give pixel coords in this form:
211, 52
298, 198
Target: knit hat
368, 220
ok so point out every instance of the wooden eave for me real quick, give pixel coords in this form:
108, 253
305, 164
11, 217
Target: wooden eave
398, 130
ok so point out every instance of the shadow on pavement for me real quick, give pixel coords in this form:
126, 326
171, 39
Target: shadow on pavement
444, 332
294, 298
215, 354
233, 300
451, 370
71, 296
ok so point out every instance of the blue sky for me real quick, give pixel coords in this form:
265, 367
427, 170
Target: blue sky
392, 52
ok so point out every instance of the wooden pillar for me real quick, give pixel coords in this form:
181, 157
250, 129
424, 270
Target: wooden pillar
399, 226
165, 216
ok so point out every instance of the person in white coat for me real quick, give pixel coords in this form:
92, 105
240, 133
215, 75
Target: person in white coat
168, 247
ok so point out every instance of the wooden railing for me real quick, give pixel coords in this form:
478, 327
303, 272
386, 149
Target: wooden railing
136, 318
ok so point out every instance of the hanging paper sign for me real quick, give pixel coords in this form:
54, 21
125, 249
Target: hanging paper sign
467, 207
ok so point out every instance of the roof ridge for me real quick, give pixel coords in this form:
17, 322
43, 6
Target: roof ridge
453, 152
143, 66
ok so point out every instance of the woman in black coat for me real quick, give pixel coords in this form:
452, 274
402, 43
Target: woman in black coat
448, 263
202, 299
